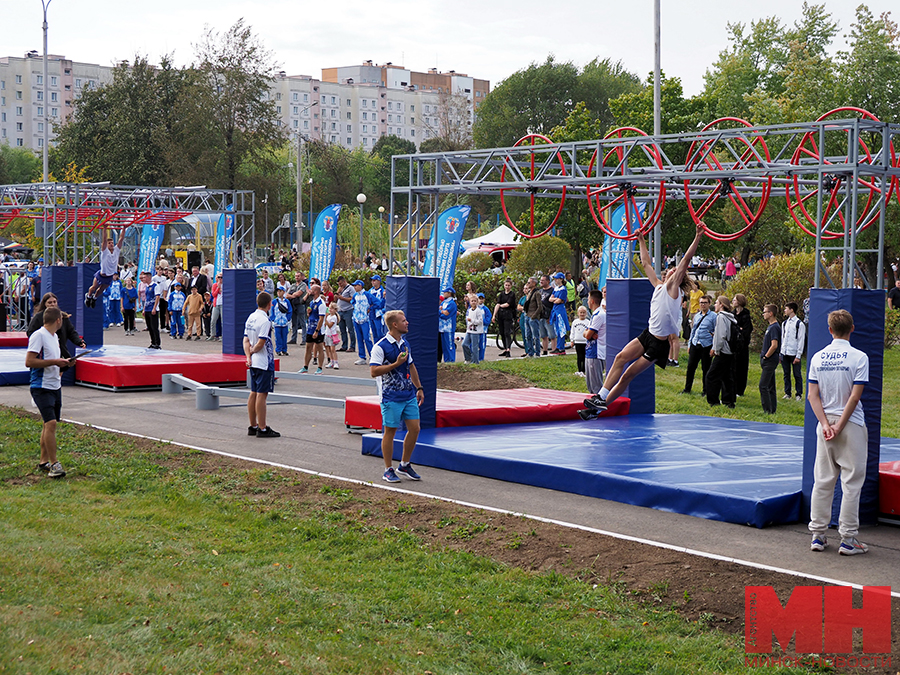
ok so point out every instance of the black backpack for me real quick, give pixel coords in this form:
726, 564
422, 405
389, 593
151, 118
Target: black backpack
736, 339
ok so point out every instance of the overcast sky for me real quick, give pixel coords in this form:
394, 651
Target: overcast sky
486, 39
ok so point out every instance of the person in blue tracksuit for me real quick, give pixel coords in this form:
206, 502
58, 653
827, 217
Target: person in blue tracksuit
376, 309
447, 324
362, 301
559, 320
484, 327
280, 315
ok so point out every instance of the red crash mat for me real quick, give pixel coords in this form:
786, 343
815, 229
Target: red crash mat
497, 406
889, 487
13, 339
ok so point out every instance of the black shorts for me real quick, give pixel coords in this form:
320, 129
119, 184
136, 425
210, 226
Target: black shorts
49, 402
262, 381
315, 339
655, 349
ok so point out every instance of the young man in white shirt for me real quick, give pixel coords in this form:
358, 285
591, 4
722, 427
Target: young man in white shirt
43, 358
109, 265
837, 376
793, 340
261, 362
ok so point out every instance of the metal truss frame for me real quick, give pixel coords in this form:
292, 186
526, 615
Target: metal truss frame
75, 216
846, 168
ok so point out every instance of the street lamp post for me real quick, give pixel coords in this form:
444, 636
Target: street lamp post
299, 222
46, 177
361, 198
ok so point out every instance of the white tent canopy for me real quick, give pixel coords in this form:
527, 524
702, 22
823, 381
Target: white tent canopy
501, 236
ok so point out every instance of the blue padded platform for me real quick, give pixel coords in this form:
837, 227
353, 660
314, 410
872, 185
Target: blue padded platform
12, 367
714, 468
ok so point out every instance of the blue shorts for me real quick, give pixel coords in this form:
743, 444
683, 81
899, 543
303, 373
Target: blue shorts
544, 328
262, 381
102, 279
48, 402
393, 412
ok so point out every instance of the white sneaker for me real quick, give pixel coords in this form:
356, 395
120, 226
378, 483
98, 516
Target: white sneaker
336, 366
359, 362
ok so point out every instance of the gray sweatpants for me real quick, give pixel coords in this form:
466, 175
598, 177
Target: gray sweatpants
593, 372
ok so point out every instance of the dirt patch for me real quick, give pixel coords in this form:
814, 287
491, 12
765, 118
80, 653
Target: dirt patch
458, 378
700, 589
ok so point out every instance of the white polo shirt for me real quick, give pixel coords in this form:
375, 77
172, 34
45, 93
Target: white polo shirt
46, 345
836, 369
259, 327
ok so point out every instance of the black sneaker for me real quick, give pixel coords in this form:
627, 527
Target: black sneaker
44, 466
596, 403
268, 432
588, 414
251, 431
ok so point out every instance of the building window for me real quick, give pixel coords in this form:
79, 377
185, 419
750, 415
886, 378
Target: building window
349, 116
323, 99
365, 128
2, 84
333, 100
412, 120
390, 105
412, 108
18, 79
78, 83
54, 112
306, 124
349, 128
390, 118
18, 95
40, 142
333, 126
295, 96
412, 132
53, 80
2, 117
334, 139
296, 123
40, 79
278, 96
54, 96
333, 112
18, 126
365, 115
278, 109
40, 126
348, 101
19, 142
40, 96
365, 100
349, 140
365, 141
40, 111
19, 110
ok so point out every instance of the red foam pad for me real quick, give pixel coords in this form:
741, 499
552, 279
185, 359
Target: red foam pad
889, 487
476, 408
147, 370
13, 339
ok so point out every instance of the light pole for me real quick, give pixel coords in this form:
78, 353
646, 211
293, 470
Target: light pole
46, 97
361, 198
381, 213
299, 223
266, 223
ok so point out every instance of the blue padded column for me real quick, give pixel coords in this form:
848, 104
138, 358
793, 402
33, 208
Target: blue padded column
627, 314
418, 297
867, 308
61, 281
239, 296
88, 322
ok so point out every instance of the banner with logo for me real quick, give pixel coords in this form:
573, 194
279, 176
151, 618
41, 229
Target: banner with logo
324, 242
449, 233
151, 239
616, 259
224, 233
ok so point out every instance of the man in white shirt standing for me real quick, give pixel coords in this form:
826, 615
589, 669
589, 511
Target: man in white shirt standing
43, 358
109, 265
837, 376
793, 339
261, 362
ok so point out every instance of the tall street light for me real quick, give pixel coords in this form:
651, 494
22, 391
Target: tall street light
299, 222
361, 198
46, 178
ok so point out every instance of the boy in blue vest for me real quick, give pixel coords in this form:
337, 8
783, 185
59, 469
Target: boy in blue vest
484, 326
401, 394
176, 306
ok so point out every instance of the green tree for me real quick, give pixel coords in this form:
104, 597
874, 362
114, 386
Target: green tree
18, 165
601, 81
870, 71
532, 100
544, 254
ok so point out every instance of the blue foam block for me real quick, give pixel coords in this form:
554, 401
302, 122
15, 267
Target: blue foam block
728, 470
88, 322
238, 302
627, 315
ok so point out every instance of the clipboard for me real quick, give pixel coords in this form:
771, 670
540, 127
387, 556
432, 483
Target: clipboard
84, 353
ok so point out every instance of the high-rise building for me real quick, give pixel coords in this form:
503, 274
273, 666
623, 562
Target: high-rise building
22, 105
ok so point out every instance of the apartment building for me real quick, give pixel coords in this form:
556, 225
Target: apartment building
22, 105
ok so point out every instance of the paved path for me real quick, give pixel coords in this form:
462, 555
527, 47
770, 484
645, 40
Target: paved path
316, 439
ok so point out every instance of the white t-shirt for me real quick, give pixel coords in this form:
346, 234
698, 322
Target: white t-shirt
259, 327
578, 328
331, 325
474, 320
836, 369
665, 313
46, 345
109, 261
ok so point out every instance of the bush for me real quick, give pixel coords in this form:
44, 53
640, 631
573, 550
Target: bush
479, 261
542, 255
777, 280
891, 328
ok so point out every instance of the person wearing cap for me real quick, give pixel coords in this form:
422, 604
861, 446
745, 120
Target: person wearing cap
176, 306
447, 324
362, 301
376, 309
484, 326
297, 293
559, 319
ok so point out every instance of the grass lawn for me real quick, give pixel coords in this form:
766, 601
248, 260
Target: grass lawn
139, 562
558, 373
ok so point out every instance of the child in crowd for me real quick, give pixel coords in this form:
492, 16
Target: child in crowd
485, 325
206, 314
580, 325
129, 300
474, 324
114, 304
176, 307
280, 316
332, 335
193, 308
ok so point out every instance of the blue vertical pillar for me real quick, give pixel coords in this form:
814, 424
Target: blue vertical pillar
88, 322
867, 308
61, 281
627, 314
418, 298
239, 302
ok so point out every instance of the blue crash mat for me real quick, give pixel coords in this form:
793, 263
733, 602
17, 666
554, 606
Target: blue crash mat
715, 468
12, 366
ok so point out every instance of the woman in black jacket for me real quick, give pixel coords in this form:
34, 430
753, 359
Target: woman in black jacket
505, 312
66, 332
742, 355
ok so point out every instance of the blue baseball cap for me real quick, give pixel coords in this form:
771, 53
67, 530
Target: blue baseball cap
449, 289
559, 275
479, 295
376, 277
358, 282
